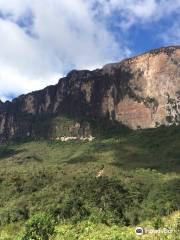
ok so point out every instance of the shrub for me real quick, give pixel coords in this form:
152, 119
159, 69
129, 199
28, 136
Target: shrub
158, 223
106, 196
39, 227
162, 200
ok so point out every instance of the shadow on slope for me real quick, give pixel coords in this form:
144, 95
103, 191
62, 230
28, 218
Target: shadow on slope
6, 152
151, 148
47, 126
157, 148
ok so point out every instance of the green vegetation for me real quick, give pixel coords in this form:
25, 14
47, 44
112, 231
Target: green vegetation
49, 189
39, 227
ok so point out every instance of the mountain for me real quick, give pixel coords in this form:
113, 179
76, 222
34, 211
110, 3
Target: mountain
99, 189
139, 92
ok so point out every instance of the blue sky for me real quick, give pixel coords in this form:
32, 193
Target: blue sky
42, 40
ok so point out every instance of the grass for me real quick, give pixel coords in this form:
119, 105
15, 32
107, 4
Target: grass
35, 176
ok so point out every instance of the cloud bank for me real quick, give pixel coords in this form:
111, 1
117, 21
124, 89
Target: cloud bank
42, 40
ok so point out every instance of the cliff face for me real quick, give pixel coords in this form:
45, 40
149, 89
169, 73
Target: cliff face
140, 92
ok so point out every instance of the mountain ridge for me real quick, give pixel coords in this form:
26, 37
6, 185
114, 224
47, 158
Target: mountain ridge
152, 51
139, 92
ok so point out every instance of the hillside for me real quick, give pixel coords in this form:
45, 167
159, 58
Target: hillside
140, 184
140, 92
120, 165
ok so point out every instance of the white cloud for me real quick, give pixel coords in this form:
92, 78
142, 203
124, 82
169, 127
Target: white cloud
64, 34
41, 40
172, 36
14, 82
139, 11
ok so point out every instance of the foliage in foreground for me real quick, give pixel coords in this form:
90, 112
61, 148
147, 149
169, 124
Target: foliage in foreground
140, 182
84, 230
88, 230
39, 227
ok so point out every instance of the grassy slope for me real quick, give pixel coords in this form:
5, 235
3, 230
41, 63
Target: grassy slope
34, 174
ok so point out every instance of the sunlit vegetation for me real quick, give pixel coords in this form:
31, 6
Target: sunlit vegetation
50, 189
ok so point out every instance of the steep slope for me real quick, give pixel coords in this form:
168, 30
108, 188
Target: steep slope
141, 92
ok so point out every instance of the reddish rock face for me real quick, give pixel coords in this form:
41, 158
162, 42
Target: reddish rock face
152, 97
141, 92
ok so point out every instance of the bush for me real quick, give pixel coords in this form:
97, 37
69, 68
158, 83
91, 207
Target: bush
106, 198
12, 215
162, 200
158, 223
39, 227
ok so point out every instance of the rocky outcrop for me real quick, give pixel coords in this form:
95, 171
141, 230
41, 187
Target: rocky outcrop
140, 92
